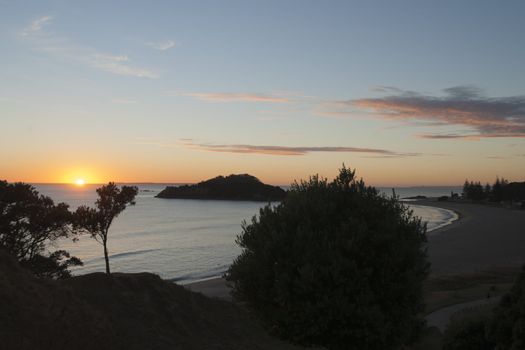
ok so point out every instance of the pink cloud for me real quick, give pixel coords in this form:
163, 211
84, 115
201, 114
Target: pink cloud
465, 106
289, 151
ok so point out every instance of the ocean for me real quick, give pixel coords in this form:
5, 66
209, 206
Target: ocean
184, 240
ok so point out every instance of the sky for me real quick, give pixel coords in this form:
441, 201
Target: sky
406, 92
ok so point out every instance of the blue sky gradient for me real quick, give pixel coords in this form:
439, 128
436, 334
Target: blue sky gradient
178, 91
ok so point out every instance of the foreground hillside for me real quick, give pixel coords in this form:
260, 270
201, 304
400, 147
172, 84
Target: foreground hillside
126, 311
233, 187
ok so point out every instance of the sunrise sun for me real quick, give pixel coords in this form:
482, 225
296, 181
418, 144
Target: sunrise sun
80, 182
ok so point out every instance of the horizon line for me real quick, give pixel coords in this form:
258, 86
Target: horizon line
192, 183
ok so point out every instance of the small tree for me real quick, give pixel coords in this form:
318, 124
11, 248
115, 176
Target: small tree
487, 191
497, 191
29, 223
466, 189
111, 201
335, 264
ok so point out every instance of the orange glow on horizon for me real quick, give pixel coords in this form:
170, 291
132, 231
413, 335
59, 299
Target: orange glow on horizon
78, 176
273, 170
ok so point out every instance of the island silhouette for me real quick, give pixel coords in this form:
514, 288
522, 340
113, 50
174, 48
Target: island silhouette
239, 187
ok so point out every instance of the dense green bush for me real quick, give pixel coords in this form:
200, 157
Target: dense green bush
335, 264
468, 333
503, 329
507, 328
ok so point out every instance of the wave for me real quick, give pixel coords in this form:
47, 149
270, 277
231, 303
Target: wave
123, 254
135, 252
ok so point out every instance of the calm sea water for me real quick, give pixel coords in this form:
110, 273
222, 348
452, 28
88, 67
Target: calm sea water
183, 240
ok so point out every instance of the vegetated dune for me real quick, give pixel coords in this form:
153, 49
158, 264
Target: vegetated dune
125, 311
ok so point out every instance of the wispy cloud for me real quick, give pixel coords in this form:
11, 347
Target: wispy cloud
236, 97
462, 105
465, 136
64, 49
35, 27
386, 89
162, 45
118, 65
290, 151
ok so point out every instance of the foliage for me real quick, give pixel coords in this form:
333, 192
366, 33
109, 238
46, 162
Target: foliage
502, 190
475, 191
335, 264
111, 201
499, 190
29, 222
507, 328
56, 265
503, 330
468, 333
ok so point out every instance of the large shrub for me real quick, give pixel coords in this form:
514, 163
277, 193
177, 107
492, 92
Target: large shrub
335, 264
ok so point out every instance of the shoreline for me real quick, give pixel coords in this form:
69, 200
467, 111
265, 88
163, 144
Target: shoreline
481, 238
431, 202
455, 217
217, 286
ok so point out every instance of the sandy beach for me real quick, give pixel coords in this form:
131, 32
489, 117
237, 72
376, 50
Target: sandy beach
484, 237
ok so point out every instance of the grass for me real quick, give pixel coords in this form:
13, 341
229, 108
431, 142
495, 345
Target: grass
442, 291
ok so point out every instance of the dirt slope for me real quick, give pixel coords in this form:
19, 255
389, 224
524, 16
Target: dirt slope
126, 311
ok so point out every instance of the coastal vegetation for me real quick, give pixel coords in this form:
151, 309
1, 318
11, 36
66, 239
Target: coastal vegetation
29, 224
335, 264
92, 311
319, 269
446, 290
501, 191
111, 201
507, 326
499, 328
233, 187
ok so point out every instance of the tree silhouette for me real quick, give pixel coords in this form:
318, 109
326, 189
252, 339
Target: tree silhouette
499, 191
475, 191
29, 222
111, 201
